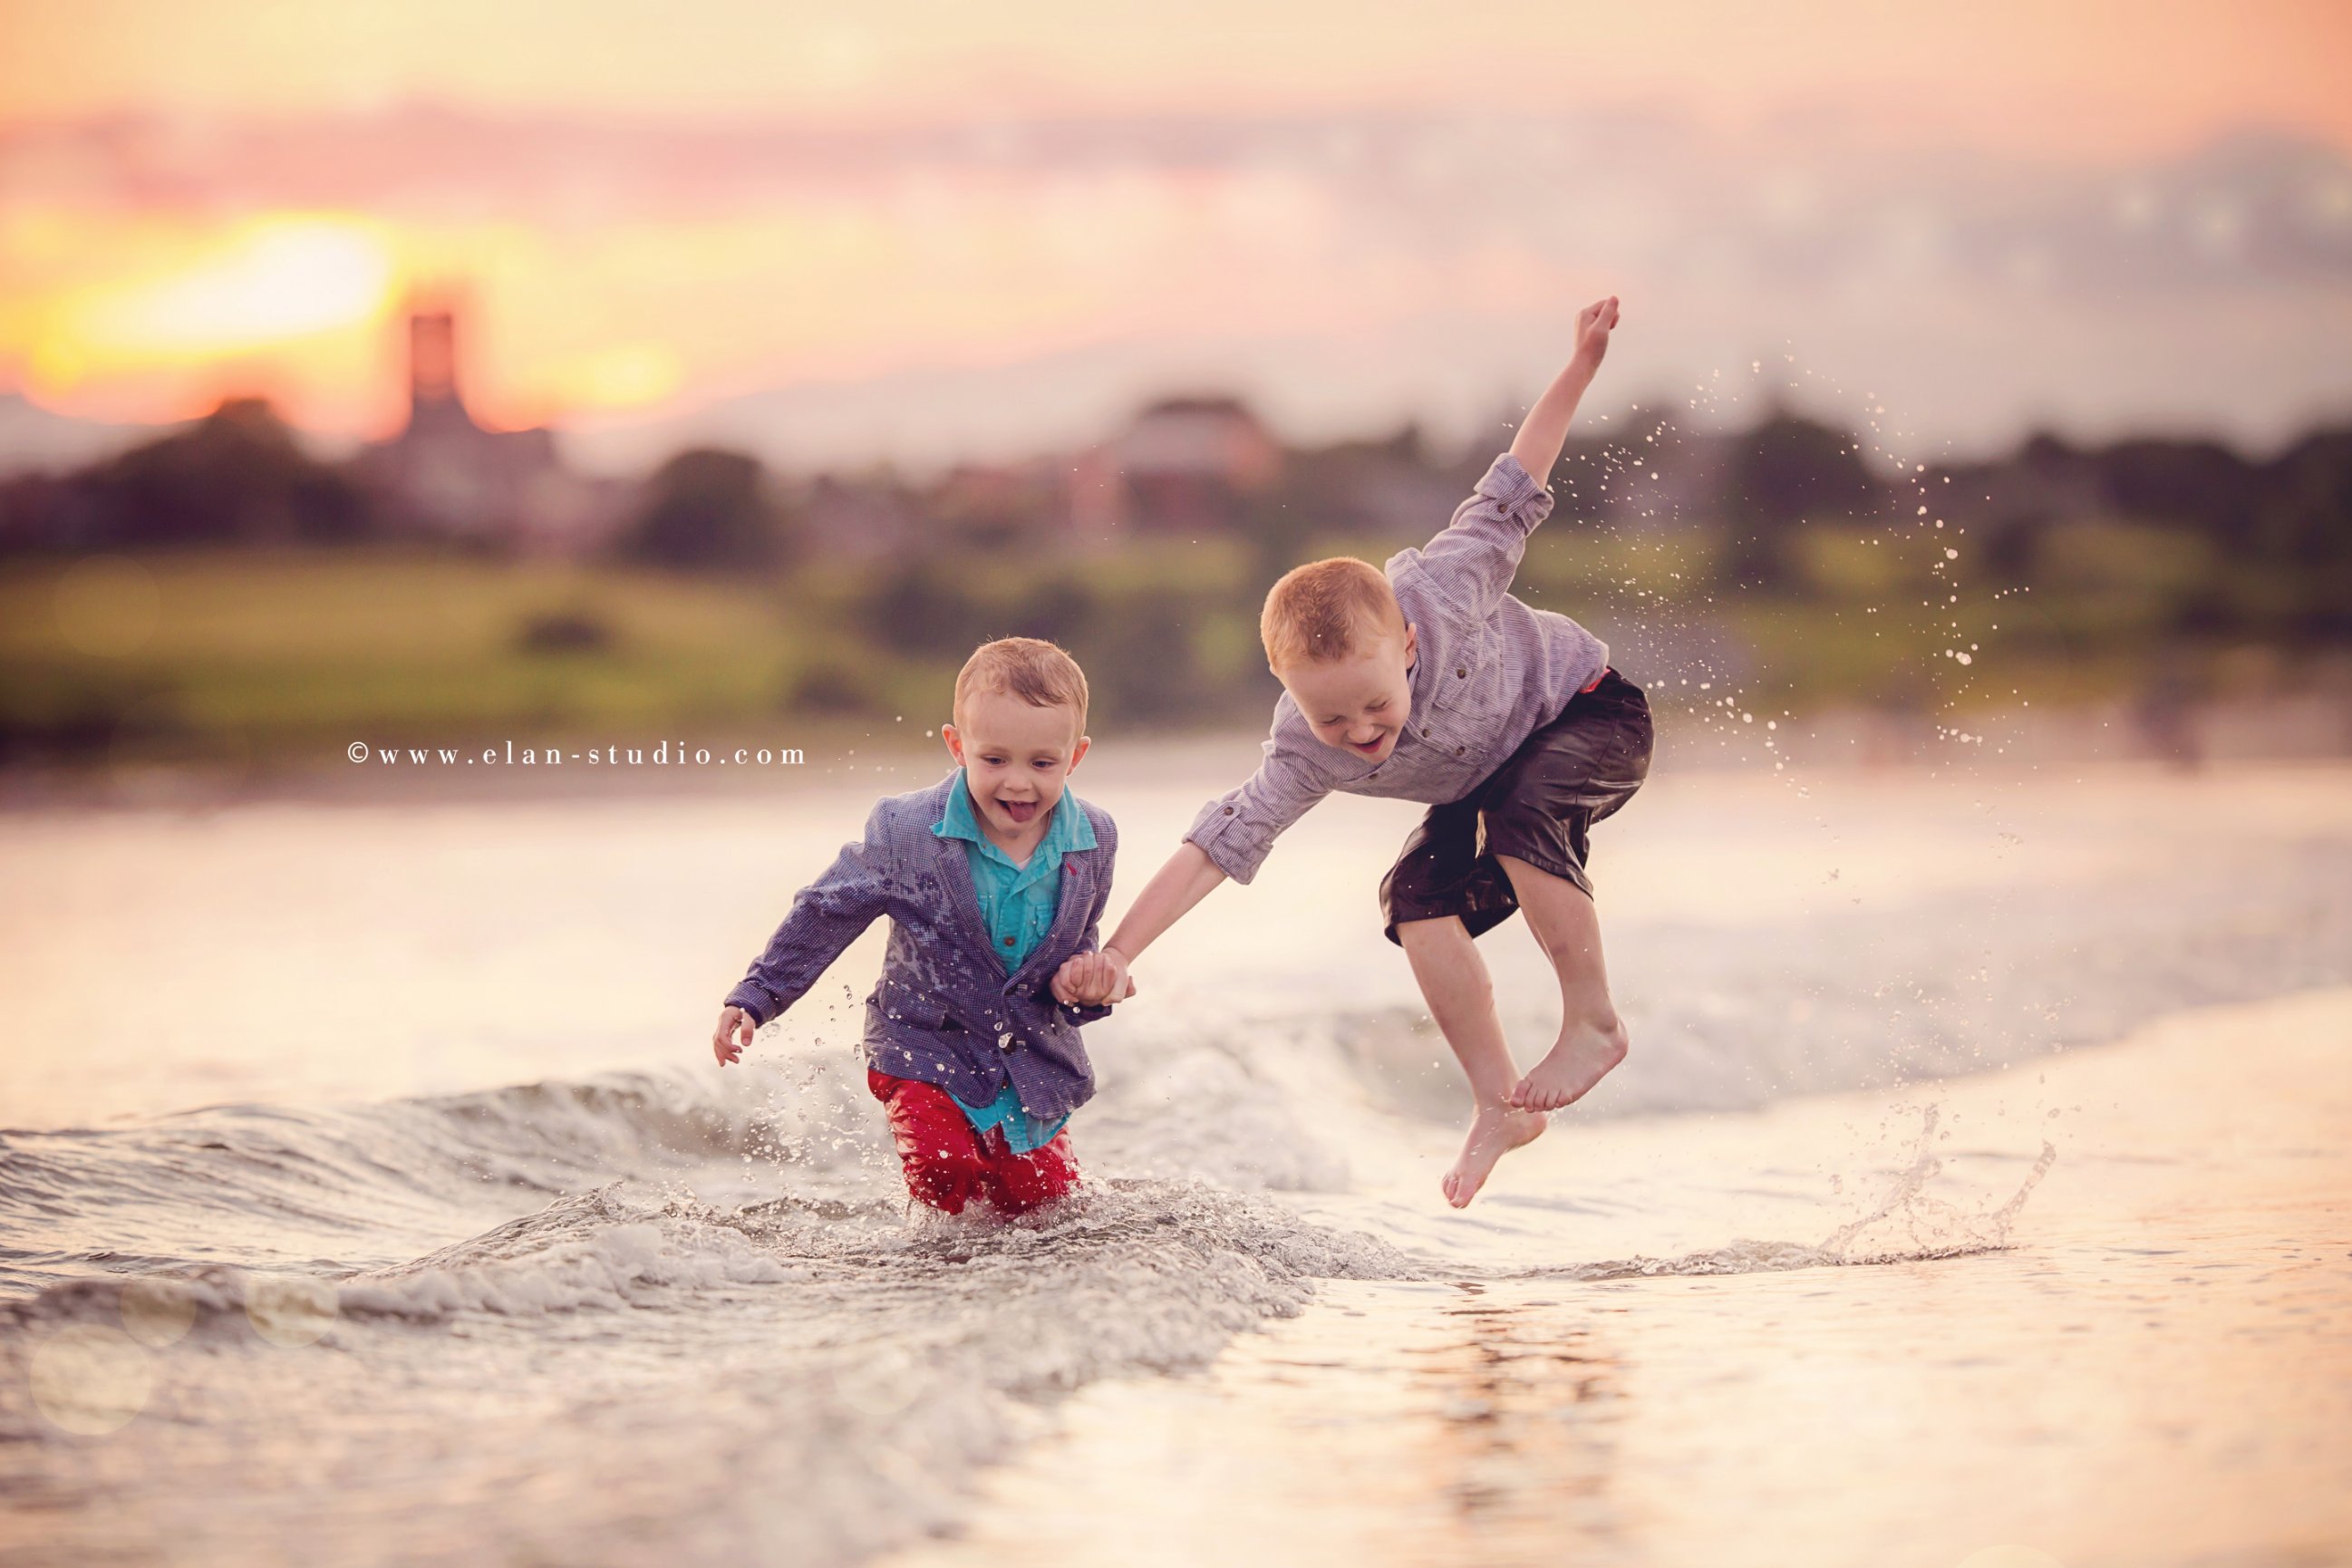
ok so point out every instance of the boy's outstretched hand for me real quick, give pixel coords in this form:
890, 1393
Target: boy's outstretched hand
734, 1032
1593, 325
1545, 429
1092, 979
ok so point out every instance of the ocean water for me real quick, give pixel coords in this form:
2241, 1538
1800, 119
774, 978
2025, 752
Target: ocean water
367, 1193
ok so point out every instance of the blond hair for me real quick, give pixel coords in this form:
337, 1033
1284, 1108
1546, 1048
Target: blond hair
1031, 668
1323, 610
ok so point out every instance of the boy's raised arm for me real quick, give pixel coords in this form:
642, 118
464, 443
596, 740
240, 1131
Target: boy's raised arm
1545, 429
1472, 561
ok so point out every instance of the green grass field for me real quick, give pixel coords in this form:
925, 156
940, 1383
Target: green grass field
280, 649
277, 654
269, 654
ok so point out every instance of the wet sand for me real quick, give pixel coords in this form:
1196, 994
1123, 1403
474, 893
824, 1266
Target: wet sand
2154, 1370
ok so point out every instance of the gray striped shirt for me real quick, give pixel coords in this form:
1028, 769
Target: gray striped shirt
1488, 673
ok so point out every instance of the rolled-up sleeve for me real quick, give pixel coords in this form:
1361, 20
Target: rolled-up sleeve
1471, 564
1237, 830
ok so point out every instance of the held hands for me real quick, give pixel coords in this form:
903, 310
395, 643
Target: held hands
734, 1032
1593, 325
1092, 979
1089, 979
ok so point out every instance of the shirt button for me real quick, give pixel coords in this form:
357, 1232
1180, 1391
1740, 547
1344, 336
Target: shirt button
1463, 672
1459, 750
1008, 941
1229, 811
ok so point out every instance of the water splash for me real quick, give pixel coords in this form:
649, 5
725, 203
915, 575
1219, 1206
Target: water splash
1933, 1229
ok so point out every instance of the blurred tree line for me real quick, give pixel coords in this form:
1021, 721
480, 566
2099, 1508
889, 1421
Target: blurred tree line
878, 587
240, 477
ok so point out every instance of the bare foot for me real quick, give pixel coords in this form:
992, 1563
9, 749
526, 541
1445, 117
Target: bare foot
1582, 1057
1494, 1132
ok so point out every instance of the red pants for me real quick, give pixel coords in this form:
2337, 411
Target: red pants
948, 1164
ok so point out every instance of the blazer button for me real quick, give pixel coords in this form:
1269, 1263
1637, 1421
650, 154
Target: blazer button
1463, 672
1459, 750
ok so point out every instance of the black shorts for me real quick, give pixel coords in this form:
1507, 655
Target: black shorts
1536, 806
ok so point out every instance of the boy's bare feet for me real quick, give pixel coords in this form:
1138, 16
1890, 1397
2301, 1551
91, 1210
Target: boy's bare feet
1582, 1057
1494, 1132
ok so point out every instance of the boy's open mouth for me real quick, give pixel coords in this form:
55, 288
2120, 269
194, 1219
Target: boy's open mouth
1370, 750
1018, 810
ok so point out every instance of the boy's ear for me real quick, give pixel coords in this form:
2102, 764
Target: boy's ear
1078, 751
1410, 643
954, 742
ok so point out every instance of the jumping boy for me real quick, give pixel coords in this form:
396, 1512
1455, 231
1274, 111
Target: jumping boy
994, 880
1430, 682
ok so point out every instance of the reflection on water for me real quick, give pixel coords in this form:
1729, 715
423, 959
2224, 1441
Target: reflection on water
1524, 1409
2152, 1372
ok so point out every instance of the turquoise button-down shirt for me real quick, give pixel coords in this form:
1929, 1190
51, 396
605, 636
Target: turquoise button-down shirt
1017, 904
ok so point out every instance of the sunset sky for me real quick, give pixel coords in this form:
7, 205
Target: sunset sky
926, 230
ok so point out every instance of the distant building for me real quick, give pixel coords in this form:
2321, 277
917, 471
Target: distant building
1184, 465
445, 474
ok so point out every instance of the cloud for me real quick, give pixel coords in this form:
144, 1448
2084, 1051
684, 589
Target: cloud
1343, 265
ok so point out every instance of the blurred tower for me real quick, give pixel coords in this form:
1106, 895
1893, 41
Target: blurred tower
445, 474
432, 399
